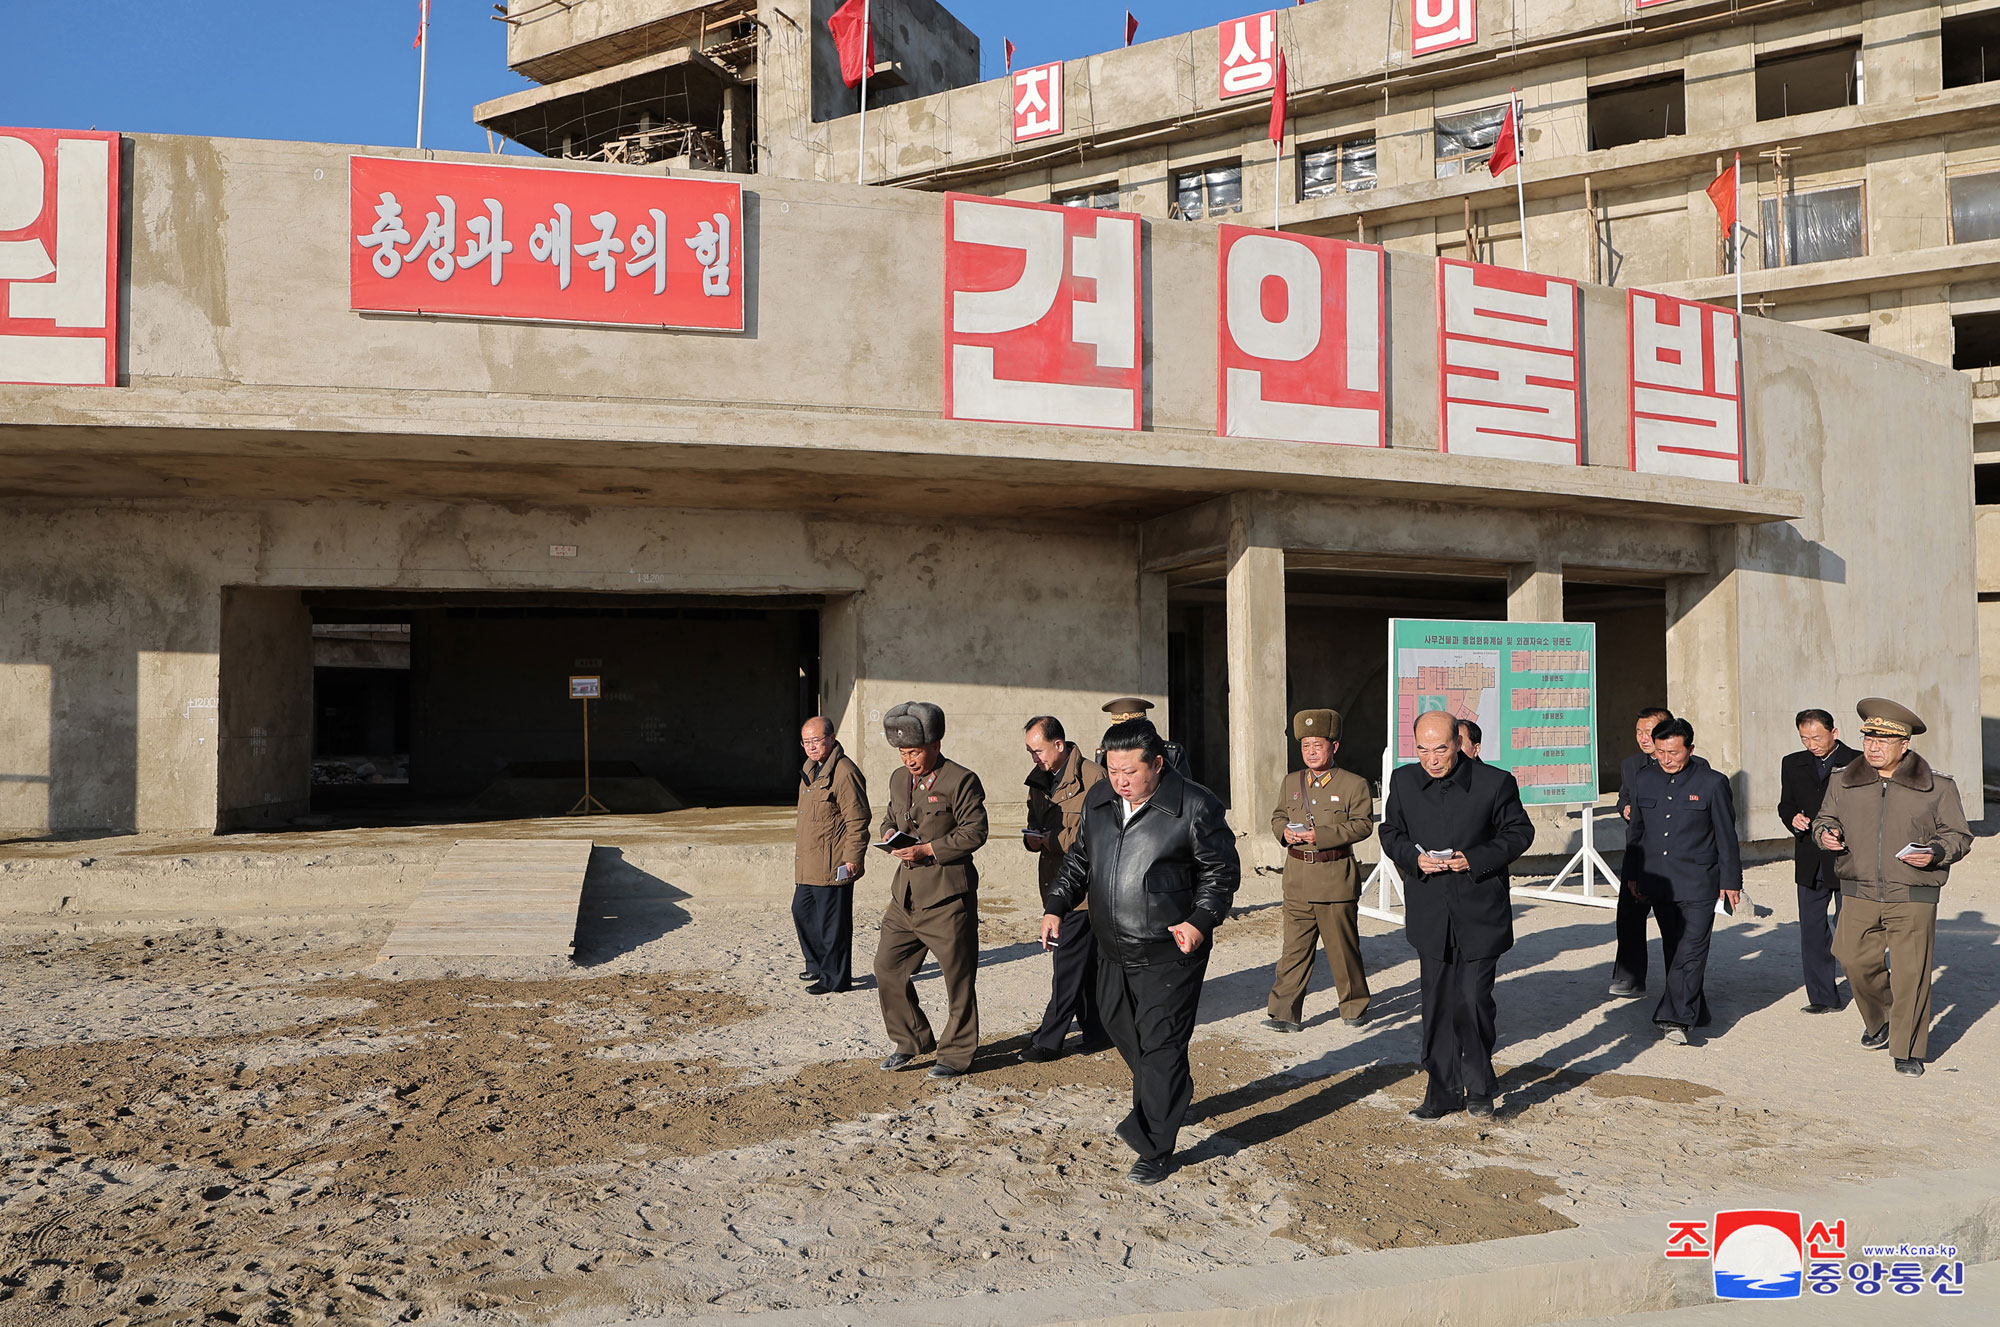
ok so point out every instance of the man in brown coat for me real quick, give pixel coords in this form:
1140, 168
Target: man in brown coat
832, 841
1056, 786
938, 805
1322, 812
1895, 826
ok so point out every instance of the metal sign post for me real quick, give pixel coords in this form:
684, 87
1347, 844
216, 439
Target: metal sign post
587, 689
1587, 865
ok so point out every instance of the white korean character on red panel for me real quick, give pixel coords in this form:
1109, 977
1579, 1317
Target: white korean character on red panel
1508, 365
1300, 339
58, 257
1041, 314
1687, 402
1249, 53
1439, 25
1038, 102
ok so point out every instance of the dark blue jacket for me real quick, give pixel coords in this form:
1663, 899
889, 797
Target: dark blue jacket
1680, 844
1629, 771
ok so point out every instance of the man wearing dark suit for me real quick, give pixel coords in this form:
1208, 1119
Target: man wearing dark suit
1628, 968
1801, 788
1680, 856
1453, 827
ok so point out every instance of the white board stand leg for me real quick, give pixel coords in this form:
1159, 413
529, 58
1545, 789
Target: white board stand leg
1388, 887
1587, 866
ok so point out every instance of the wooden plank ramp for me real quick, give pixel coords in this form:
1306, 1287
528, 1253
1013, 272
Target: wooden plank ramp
512, 898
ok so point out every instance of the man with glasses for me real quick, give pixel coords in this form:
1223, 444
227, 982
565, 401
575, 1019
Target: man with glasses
1895, 826
832, 841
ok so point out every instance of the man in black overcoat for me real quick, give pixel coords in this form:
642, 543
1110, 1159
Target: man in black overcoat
1454, 827
1802, 782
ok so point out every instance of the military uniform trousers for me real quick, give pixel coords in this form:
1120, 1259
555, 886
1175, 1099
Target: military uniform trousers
1459, 1025
1685, 932
1072, 986
823, 915
949, 933
1149, 1010
1816, 942
1907, 932
1306, 927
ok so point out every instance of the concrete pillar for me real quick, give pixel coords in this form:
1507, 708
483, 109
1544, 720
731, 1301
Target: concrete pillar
1256, 627
265, 723
736, 103
1535, 591
1153, 648
1704, 655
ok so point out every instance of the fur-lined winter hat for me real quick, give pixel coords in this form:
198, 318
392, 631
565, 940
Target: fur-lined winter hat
913, 723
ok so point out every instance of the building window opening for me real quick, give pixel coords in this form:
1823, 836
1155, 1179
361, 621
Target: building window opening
1975, 208
1800, 82
1101, 196
1850, 333
1975, 341
1971, 49
1466, 140
1986, 485
1637, 112
1334, 168
1815, 227
1213, 191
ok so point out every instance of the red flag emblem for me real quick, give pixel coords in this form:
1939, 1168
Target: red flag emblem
1507, 147
850, 28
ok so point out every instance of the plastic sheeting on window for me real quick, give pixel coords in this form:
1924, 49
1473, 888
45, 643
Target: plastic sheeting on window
1975, 208
1337, 168
1463, 140
1818, 228
1215, 192
1101, 196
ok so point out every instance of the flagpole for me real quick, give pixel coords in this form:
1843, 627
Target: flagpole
1736, 238
1520, 185
861, 130
423, 66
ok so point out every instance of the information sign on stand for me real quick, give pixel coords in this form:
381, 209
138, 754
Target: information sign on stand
587, 689
1532, 689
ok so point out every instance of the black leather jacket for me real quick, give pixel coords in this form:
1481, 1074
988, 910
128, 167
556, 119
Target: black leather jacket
1174, 861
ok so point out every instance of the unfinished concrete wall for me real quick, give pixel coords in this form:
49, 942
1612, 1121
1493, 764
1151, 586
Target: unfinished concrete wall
265, 722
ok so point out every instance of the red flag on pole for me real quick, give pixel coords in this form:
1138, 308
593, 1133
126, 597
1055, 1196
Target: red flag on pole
423, 22
1007, 48
1723, 194
1131, 27
1278, 102
849, 26
1507, 147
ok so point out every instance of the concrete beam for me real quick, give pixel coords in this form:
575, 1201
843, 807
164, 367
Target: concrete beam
1256, 629
1535, 591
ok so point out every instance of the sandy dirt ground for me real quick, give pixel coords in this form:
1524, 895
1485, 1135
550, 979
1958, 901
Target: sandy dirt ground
252, 1121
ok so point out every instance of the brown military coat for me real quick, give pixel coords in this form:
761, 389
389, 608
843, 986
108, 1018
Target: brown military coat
833, 819
949, 813
1055, 807
1341, 813
1876, 817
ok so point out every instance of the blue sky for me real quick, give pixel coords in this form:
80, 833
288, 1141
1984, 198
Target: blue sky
345, 72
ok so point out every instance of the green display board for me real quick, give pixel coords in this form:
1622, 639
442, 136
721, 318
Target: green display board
1530, 686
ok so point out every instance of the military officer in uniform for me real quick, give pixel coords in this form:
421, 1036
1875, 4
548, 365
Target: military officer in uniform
1322, 812
832, 843
1132, 707
1056, 786
1895, 826
934, 898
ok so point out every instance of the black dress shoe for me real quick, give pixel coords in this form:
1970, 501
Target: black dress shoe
1482, 1107
1914, 1068
1282, 1025
1355, 1021
1820, 1009
1435, 1110
896, 1061
946, 1071
1150, 1170
821, 988
1039, 1055
1626, 990
1877, 1039
808, 976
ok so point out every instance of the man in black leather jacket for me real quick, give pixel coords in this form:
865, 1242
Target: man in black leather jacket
1158, 863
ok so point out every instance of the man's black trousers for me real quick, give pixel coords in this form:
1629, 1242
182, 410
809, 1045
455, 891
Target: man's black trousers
824, 916
1630, 964
1816, 945
1072, 985
1149, 1011
1685, 930
1458, 1026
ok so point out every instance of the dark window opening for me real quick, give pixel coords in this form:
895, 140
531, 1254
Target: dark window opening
1986, 485
1816, 227
1798, 83
1971, 49
1636, 112
1975, 341
1332, 168
1213, 191
1851, 333
1975, 208
1465, 141
1101, 196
